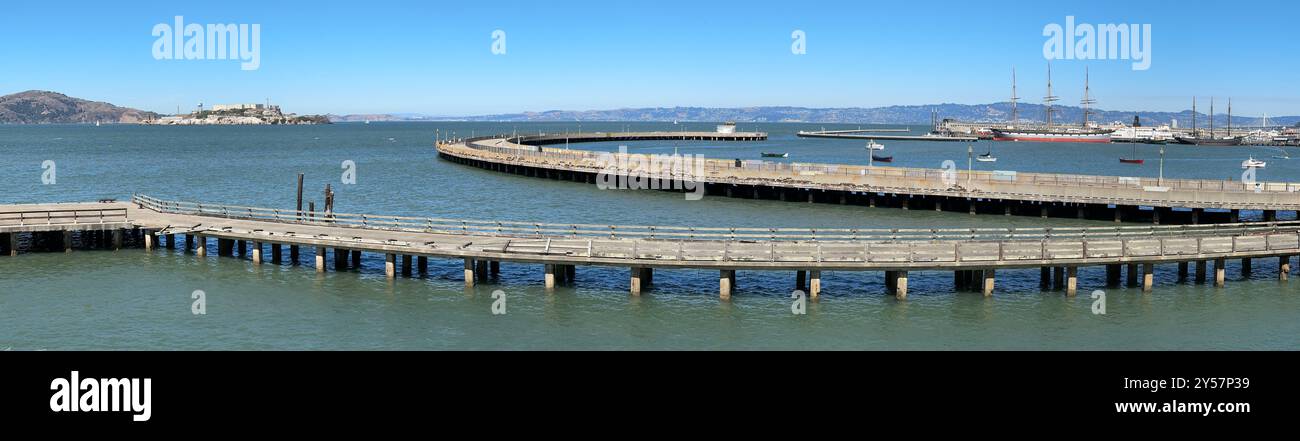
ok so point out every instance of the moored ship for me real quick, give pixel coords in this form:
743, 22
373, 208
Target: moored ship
1086, 133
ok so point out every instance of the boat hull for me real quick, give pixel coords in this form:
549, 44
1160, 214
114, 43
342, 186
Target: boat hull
1216, 142
1048, 136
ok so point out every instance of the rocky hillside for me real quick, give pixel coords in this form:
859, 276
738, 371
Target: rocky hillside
43, 107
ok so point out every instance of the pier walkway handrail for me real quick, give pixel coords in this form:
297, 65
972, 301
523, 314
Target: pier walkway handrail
517, 146
40, 215
557, 230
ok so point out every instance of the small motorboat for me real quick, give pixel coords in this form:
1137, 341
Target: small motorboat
877, 158
873, 145
1133, 161
1253, 163
775, 155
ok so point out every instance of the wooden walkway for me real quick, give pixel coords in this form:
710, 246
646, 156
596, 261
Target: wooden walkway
1009, 193
973, 255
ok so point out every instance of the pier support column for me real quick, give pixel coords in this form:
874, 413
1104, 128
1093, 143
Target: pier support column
900, 285
1112, 275
200, 246
13, 244
988, 282
320, 259
814, 284
1148, 276
1196, 215
481, 269
225, 247
148, 240
117, 239
241, 246
406, 265
1042, 212
1119, 214
1182, 272
67, 241
799, 280
390, 265
570, 272
1200, 271
276, 253
1072, 281
726, 279
1058, 277
494, 268
469, 273
355, 259
1284, 268
257, 253
1155, 215
634, 280
1220, 272
189, 242
1132, 279
550, 275
293, 254
1234, 216
1270, 215
340, 259
1247, 267
1044, 277
422, 262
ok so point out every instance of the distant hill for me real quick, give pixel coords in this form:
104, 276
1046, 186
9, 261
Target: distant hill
919, 114
43, 107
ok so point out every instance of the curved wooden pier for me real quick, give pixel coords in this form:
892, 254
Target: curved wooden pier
1118, 198
974, 256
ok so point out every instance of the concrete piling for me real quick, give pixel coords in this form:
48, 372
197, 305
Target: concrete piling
1284, 268
276, 253
390, 265
1072, 281
1148, 277
320, 259
988, 283
1220, 272
200, 246
469, 273
814, 284
726, 282
257, 253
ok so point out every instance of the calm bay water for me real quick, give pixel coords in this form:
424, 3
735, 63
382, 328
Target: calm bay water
136, 300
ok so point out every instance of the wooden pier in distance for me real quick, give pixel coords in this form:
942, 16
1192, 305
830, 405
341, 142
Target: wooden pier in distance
859, 134
973, 256
1117, 198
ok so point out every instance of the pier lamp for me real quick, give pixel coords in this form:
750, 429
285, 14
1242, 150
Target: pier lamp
970, 164
1161, 180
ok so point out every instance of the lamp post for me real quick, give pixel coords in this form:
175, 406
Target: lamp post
970, 164
1161, 181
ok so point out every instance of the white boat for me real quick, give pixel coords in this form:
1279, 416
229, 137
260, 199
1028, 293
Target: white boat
987, 157
1253, 163
873, 145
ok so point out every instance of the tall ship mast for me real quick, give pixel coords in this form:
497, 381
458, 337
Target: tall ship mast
1015, 112
1087, 99
1051, 133
1196, 139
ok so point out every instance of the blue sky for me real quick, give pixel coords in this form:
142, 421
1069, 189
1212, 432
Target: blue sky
435, 57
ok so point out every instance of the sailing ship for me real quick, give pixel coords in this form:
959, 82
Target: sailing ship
1056, 134
882, 158
1211, 140
775, 155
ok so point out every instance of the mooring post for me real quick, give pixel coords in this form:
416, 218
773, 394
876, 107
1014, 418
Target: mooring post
1148, 276
814, 284
320, 259
390, 262
1220, 272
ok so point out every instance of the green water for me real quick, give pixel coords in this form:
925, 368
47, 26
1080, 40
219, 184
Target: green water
132, 299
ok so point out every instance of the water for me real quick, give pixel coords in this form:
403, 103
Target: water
135, 300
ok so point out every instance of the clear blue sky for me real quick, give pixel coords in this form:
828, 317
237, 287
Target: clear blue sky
434, 57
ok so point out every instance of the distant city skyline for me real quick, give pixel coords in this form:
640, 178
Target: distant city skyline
444, 59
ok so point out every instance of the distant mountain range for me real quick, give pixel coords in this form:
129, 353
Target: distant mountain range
996, 112
43, 107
